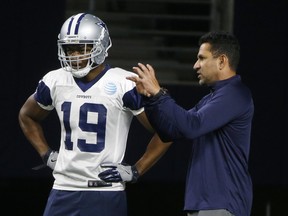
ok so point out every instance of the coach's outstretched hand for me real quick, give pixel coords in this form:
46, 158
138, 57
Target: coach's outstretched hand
146, 82
119, 173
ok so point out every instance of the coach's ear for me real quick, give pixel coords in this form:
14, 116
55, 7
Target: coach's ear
222, 62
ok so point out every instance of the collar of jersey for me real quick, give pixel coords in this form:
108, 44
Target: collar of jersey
84, 86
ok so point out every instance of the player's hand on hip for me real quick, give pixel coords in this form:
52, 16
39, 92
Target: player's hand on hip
118, 172
50, 158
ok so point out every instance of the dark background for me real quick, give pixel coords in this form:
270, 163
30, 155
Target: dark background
29, 32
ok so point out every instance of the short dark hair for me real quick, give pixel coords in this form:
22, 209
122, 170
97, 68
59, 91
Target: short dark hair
223, 43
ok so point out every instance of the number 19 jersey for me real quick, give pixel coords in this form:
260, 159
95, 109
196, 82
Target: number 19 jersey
95, 118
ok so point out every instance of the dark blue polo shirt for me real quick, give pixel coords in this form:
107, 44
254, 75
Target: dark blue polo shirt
219, 128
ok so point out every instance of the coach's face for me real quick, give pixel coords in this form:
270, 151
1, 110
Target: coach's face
206, 65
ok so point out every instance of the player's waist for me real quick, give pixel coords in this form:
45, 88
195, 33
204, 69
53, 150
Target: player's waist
89, 185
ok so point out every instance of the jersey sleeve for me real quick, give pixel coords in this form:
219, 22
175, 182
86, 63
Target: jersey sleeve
43, 94
132, 101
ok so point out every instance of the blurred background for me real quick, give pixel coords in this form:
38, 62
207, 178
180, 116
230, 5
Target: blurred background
163, 33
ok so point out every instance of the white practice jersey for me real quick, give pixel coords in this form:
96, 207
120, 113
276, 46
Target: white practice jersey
95, 118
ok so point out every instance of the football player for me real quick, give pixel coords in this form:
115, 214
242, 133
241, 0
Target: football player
95, 104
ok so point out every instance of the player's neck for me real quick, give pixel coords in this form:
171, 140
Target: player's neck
93, 73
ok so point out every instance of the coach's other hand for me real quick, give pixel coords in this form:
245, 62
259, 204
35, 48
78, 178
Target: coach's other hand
119, 172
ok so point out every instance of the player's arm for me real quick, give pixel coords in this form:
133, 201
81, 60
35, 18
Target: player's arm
123, 172
156, 148
30, 117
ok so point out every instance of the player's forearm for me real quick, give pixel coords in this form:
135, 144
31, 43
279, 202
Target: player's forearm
30, 117
154, 151
33, 131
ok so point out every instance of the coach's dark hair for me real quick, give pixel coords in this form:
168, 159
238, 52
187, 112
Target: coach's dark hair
223, 43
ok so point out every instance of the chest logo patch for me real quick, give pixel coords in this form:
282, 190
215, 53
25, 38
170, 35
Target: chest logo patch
110, 88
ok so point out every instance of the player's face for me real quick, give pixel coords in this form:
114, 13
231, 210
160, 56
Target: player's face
206, 65
79, 54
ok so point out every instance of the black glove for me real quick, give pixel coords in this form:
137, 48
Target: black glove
119, 173
50, 158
